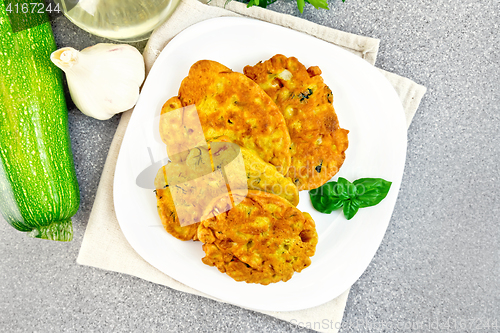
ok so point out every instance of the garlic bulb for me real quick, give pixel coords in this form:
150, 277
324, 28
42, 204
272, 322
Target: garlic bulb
103, 79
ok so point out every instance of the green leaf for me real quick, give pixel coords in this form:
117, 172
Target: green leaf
350, 209
251, 3
316, 202
325, 204
300, 4
327, 190
371, 191
364, 192
340, 185
260, 3
345, 189
351, 190
332, 204
319, 4
336, 189
342, 188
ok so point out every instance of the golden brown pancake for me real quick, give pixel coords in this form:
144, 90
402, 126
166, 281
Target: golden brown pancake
264, 239
230, 104
259, 176
189, 176
318, 143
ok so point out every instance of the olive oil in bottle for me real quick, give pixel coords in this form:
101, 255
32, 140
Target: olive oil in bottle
120, 20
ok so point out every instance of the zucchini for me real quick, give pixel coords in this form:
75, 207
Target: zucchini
38, 187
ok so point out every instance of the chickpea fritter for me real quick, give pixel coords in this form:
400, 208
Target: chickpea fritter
264, 239
230, 104
259, 176
318, 143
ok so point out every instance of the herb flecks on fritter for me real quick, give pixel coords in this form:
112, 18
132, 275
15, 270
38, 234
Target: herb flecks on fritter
262, 176
188, 175
318, 143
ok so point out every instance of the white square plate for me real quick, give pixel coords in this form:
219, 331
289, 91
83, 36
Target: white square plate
366, 104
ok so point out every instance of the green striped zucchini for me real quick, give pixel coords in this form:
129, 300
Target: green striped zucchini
38, 188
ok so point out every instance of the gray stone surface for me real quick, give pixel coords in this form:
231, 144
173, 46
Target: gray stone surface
438, 263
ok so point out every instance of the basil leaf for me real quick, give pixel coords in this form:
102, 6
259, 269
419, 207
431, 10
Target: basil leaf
350, 209
336, 189
300, 4
351, 190
260, 3
316, 202
328, 189
364, 192
325, 204
345, 189
343, 181
319, 3
370, 191
249, 4
332, 204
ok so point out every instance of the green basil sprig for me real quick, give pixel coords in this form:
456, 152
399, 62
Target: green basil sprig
361, 193
300, 3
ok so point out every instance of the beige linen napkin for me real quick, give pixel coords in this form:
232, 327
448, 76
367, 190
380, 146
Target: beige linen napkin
104, 245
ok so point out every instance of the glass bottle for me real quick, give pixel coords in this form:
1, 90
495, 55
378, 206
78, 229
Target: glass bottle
120, 20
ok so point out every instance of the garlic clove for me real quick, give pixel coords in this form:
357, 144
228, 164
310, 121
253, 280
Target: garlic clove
103, 79
65, 57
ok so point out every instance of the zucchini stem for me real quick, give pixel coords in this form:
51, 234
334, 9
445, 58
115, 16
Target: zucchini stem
57, 231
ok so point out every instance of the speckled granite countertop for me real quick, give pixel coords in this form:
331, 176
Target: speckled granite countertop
437, 268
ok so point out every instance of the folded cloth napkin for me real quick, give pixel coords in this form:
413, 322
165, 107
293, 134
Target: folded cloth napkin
104, 245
